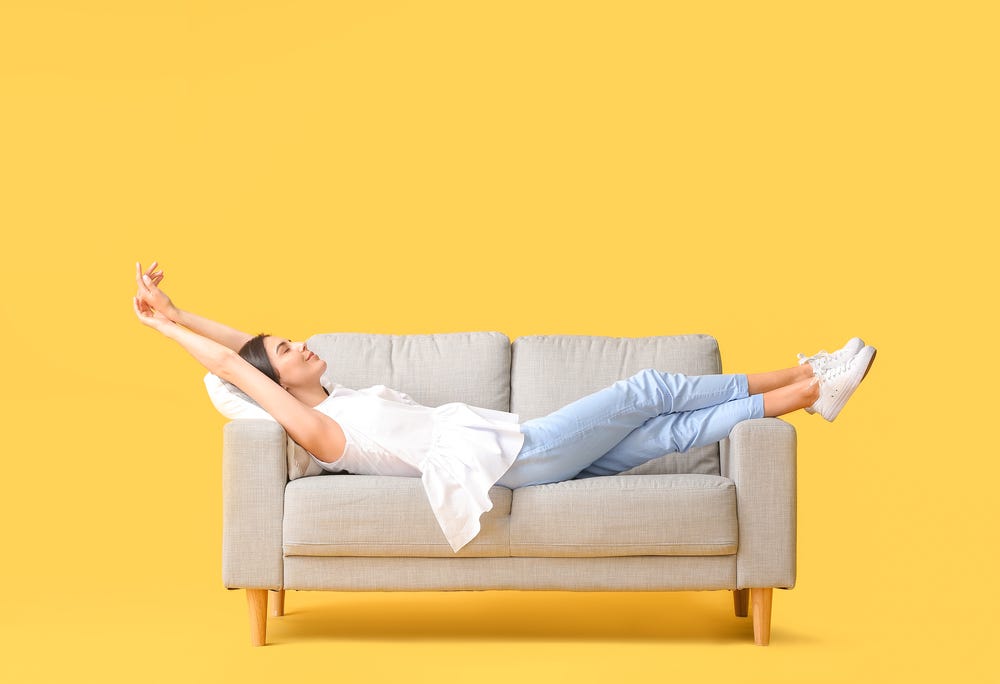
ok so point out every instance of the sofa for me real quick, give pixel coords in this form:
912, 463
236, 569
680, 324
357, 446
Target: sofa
717, 517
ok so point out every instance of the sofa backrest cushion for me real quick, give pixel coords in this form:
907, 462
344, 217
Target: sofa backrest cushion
550, 371
471, 367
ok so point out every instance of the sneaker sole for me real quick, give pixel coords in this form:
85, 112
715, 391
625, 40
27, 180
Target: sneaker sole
842, 399
869, 365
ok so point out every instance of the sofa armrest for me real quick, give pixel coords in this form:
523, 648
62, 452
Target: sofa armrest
254, 475
759, 456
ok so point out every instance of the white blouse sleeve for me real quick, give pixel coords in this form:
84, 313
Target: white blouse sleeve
230, 405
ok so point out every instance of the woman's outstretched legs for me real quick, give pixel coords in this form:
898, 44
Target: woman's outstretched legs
679, 432
558, 446
668, 411
675, 432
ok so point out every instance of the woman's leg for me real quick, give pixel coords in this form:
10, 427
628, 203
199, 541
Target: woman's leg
558, 446
765, 382
798, 395
675, 432
679, 432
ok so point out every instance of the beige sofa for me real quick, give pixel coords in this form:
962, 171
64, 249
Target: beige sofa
719, 517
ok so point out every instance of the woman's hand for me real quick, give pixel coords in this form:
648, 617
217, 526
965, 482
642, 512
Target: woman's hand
154, 319
150, 294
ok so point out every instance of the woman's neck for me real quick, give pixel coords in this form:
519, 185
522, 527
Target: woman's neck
314, 396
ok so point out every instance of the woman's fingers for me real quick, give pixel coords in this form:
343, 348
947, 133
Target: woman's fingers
139, 279
135, 305
148, 295
146, 315
151, 273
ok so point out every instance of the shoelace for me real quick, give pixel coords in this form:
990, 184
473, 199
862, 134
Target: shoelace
820, 354
824, 358
819, 360
832, 370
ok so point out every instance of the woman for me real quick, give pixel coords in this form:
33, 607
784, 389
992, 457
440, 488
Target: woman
460, 451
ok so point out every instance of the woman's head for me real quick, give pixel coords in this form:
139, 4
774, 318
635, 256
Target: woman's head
290, 364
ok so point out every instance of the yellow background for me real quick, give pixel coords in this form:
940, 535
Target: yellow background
781, 175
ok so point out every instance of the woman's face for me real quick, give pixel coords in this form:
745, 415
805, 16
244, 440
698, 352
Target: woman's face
296, 365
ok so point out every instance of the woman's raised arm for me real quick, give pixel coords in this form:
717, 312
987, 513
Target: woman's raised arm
316, 432
150, 292
209, 353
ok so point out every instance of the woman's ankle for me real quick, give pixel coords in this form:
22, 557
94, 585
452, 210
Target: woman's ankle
789, 398
761, 383
811, 390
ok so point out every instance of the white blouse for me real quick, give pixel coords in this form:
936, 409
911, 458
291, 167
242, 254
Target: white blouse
457, 450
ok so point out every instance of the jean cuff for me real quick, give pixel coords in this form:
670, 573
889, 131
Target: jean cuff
742, 386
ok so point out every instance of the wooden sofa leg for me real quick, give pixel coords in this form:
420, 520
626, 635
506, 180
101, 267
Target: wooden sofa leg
741, 601
761, 605
278, 608
257, 603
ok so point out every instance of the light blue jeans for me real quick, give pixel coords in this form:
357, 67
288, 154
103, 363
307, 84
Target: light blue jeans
629, 423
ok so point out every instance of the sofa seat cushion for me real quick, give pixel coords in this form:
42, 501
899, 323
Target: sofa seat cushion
642, 515
376, 515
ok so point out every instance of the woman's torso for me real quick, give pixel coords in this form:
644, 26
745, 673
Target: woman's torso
388, 433
384, 437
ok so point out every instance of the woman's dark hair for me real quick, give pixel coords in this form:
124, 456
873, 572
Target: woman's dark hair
254, 353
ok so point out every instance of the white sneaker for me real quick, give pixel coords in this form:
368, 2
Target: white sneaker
838, 382
823, 358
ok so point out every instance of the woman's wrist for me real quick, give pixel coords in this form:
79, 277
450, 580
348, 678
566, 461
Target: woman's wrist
171, 330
